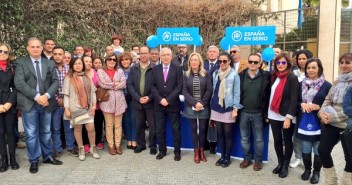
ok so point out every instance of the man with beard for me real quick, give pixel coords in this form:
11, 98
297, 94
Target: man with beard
181, 59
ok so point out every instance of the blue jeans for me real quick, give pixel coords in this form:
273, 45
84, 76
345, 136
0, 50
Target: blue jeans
129, 123
308, 145
56, 131
37, 124
252, 122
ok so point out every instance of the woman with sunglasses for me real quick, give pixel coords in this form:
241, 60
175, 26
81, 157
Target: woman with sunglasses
314, 89
128, 119
114, 81
282, 109
225, 104
8, 112
334, 123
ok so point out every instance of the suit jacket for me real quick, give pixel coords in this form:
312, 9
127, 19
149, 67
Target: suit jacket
26, 83
207, 66
178, 61
242, 66
170, 90
7, 88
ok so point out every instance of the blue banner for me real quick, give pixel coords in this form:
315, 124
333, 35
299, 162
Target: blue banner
184, 35
253, 35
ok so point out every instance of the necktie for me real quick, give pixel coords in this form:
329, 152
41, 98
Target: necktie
211, 66
165, 73
39, 78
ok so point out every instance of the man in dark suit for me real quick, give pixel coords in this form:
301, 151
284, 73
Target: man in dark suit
181, 59
37, 83
211, 64
166, 87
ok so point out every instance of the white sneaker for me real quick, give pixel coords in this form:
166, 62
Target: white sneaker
81, 154
93, 151
294, 163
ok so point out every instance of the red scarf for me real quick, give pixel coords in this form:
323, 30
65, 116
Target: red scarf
3, 64
276, 101
111, 73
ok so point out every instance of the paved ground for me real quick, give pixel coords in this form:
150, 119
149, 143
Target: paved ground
143, 168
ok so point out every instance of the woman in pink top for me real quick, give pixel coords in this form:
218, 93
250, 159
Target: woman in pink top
114, 80
98, 117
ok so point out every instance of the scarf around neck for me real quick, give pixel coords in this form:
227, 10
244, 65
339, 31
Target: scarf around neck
310, 88
82, 85
276, 101
222, 87
341, 87
3, 64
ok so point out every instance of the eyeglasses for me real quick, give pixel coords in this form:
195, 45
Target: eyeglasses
233, 52
5, 52
253, 62
111, 59
281, 62
222, 61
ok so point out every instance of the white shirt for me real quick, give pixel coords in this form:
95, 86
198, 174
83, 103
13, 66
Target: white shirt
271, 114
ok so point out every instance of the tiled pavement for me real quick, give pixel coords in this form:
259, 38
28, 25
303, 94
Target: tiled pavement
143, 168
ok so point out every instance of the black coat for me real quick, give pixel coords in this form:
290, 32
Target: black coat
206, 90
264, 92
133, 83
290, 95
178, 61
8, 90
169, 90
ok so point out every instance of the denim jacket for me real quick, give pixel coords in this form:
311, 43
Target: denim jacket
347, 106
232, 93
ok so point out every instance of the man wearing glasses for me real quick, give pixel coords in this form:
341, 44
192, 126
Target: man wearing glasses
181, 59
255, 95
239, 64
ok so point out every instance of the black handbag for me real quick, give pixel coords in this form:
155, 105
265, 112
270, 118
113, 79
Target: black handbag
212, 132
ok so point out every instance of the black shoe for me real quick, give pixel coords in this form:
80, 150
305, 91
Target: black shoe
177, 156
129, 147
13, 163
57, 155
161, 155
306, 174
4, 163
212, 150
139, 149
134, 148
284, 170
277, 169
219, 162
34, 167
152, 151
226, 163
315, 177
52, 161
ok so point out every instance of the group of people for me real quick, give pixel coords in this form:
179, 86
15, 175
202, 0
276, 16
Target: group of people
126, 92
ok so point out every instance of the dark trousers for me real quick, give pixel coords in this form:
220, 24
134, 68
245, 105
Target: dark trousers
160, 118
98, 126
346, 139
143, 116
7, 132
198, 132
225, 133
286, 134
329, 137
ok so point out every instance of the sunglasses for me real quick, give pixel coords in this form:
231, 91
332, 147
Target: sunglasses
253, 62
5, 52
233, 52
222, 61
281, 62
111, 59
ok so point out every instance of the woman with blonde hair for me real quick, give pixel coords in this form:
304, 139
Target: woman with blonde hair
197, 89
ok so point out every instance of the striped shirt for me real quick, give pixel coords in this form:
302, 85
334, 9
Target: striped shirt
61, 76
196, 87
